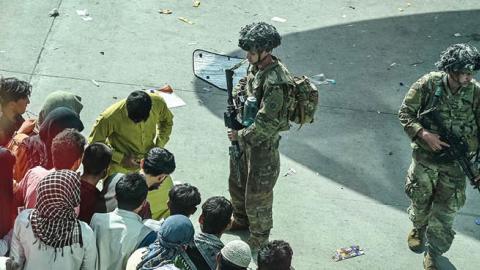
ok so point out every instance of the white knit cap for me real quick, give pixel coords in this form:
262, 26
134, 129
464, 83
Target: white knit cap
237, 252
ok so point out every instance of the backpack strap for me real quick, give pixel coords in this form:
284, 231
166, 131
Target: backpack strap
434, 98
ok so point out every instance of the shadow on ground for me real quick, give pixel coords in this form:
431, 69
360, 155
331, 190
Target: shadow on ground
357, 140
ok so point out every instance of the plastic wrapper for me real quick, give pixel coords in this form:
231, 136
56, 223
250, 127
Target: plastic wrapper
347, 253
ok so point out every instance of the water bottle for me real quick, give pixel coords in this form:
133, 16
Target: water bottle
250, 111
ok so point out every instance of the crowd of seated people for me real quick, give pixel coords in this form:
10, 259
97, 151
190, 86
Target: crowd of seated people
107, 202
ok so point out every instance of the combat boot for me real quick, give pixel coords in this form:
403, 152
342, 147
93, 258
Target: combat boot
429, 262
416, 239
237, 226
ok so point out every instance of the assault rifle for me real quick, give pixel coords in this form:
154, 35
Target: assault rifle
230, 116
458, 149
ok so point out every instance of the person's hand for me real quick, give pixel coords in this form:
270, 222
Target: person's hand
232, 135
432, 140
130, 162
27, 126
16, 186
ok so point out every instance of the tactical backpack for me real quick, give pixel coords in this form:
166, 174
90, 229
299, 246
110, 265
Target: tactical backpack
303, 101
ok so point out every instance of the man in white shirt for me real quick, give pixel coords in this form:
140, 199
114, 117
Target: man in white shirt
121, 232
157, 165
50, 236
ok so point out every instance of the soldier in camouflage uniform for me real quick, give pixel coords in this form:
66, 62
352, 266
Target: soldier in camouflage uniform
435, 184
254, 175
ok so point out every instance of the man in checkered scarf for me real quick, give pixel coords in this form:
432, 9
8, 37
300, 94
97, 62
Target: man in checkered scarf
54, 221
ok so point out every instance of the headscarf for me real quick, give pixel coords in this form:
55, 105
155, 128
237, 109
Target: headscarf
7, 205
60, 99
176, 231
39, 147
208, 245
54, 221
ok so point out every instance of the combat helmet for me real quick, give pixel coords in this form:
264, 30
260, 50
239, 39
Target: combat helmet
459, 57
258, 37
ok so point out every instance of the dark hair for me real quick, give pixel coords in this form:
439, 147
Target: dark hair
227, 265
96, 158
131, 191
159, 161
184, 199
67, 147
139, 105
13, 89
276, 255
217, 213
259, 36
7, 206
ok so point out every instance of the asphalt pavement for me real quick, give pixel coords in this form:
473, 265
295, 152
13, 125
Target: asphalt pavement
346, 185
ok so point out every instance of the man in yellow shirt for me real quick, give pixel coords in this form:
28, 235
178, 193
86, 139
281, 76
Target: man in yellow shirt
132, 127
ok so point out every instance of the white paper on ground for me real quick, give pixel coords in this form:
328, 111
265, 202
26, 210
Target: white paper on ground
278, 19
82, 12
172, 99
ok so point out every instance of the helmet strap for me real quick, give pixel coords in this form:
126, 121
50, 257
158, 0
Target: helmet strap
261, 60
452, 78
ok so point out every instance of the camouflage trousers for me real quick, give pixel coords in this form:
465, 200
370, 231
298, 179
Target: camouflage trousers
251, 183
437, 192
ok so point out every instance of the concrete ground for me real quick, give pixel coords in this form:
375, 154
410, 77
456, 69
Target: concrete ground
350, 164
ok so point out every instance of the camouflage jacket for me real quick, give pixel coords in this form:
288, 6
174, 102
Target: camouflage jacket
460, 111
270, 87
